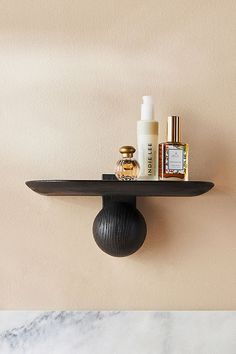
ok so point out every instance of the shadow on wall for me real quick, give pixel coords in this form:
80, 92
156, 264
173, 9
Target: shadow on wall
158, 237
209, 157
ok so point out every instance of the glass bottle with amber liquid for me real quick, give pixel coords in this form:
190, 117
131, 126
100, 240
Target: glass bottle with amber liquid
173, 155
127, 168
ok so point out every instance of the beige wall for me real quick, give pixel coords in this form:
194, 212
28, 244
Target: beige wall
72, 74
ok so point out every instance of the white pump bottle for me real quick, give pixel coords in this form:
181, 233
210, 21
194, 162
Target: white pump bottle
147, 129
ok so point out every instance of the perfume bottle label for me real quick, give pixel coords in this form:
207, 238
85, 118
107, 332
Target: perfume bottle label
175, 159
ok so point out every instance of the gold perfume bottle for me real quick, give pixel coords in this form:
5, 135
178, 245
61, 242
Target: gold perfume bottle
127, 169
173, 155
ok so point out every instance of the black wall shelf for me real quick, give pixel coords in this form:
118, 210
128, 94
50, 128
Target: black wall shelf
119, 229
118, 188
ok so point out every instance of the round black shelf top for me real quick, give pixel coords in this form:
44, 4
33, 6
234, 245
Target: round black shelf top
120, 188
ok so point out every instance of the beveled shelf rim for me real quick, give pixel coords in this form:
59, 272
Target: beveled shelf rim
57, 187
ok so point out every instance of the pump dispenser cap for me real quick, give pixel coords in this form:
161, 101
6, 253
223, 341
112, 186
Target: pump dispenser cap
147, 108
173, 129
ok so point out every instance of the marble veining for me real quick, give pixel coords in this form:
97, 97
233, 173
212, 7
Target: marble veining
117, 332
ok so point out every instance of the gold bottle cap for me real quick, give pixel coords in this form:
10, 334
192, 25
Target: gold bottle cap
127, 151
173, 129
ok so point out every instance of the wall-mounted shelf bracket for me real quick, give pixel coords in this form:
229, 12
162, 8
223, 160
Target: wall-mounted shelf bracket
119, 229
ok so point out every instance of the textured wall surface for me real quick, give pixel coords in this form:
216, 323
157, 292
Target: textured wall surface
72, 77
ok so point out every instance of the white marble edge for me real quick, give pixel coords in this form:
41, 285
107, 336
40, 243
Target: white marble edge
118, 332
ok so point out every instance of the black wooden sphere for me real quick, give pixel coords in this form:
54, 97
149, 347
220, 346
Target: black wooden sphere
119, 229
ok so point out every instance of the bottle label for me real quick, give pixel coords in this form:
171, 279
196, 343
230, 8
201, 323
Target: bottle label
175, 159
147, 155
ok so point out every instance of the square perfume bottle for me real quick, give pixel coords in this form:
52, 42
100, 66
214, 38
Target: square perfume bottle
173, 155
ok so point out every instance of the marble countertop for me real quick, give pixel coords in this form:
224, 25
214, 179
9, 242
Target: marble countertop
117, 332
